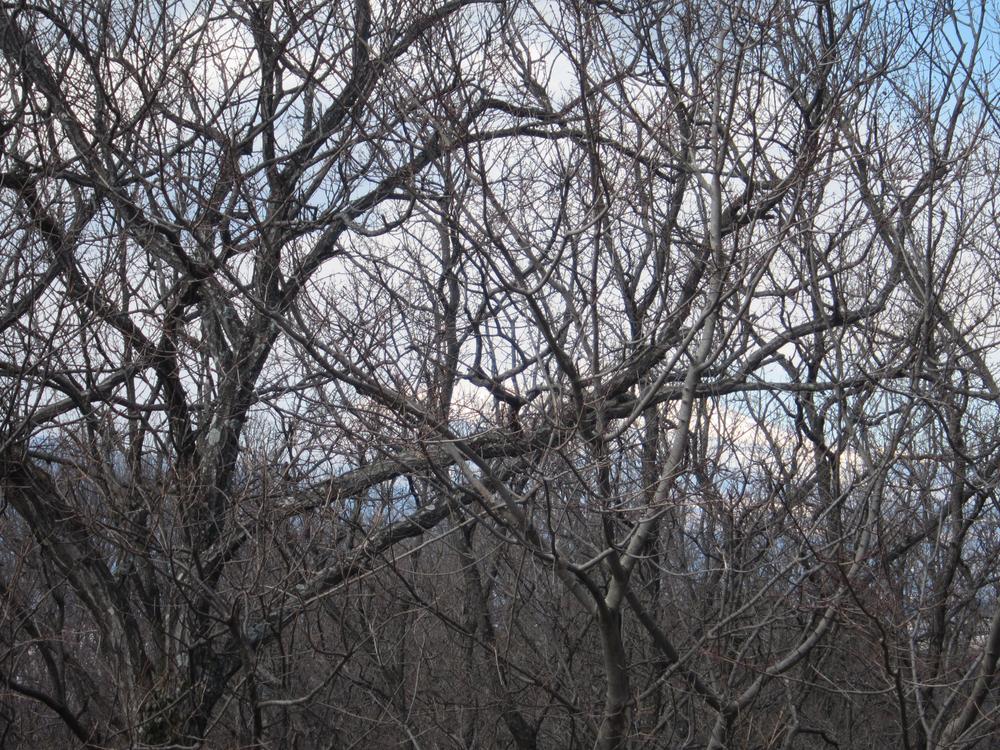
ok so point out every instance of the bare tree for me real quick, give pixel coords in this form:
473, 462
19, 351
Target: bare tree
471, 374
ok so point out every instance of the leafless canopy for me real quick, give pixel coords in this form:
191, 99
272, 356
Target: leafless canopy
465, 374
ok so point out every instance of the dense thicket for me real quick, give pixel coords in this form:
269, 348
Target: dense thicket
462, 374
